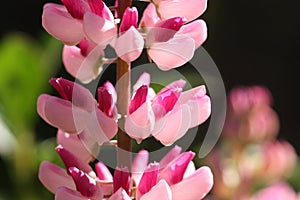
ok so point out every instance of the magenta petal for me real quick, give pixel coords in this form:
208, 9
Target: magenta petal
86, 185
189, 9
74, 144
105, 101
105, 177
197, 30
173, 53
174, 172
170, 156
64, 193
130, 18
53, 177
99, 30
121, 179
98, 7
129, 45
140, 123
149, 178
55, 19
71, 160
166, 131
160, 191
138, 99
202, 179
139, 165
121, 194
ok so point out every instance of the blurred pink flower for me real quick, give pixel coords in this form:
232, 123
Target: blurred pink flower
250, 116
78, 112
276, 191
155, 114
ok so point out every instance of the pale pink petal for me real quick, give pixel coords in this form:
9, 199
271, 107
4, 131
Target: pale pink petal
173, 173
173, 53
73, 143
166, 131
139, 165
189, 9
140, 123
85, 69
198, 91
64, 193
160, 191
200, 110
85, 184
61, 114
52, 177
129, 45
121, 194
170, 156
189, 170
149, 17
55, 19
99, 30
201, 181
196, 30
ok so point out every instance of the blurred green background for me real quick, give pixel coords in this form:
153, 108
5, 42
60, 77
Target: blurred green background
251, 43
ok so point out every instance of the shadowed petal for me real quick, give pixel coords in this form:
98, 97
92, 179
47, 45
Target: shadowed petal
52, 177
121, 194
139, 165
170, 156
64, 193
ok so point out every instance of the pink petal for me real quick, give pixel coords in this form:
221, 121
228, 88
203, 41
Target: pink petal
160, 191
105, 101
121, 179
61, 114
99, 30
74, 144
139, 165
189, 9
166, 131
173, 53
129, 45
121, 194
76, 8
139, 98
196, 30
149, 178
85, 69
166, 29
98, 7
170, 156
86, 185
71, 160
130, 18
150, 17
201, 179
174, 172
140, 123
64, 193
55, 19
53, 177
105, 177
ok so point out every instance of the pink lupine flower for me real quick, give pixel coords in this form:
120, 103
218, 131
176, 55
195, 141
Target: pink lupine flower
83, 18
130, 43
170, 42
77, 111
155, 114
189, 9
276, 191
83, 61
250, 116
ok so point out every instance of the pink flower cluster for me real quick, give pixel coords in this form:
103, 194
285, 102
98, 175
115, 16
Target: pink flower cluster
149, 114
167, 29
171, 178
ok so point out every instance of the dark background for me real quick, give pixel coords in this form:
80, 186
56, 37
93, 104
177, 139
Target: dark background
252, 43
